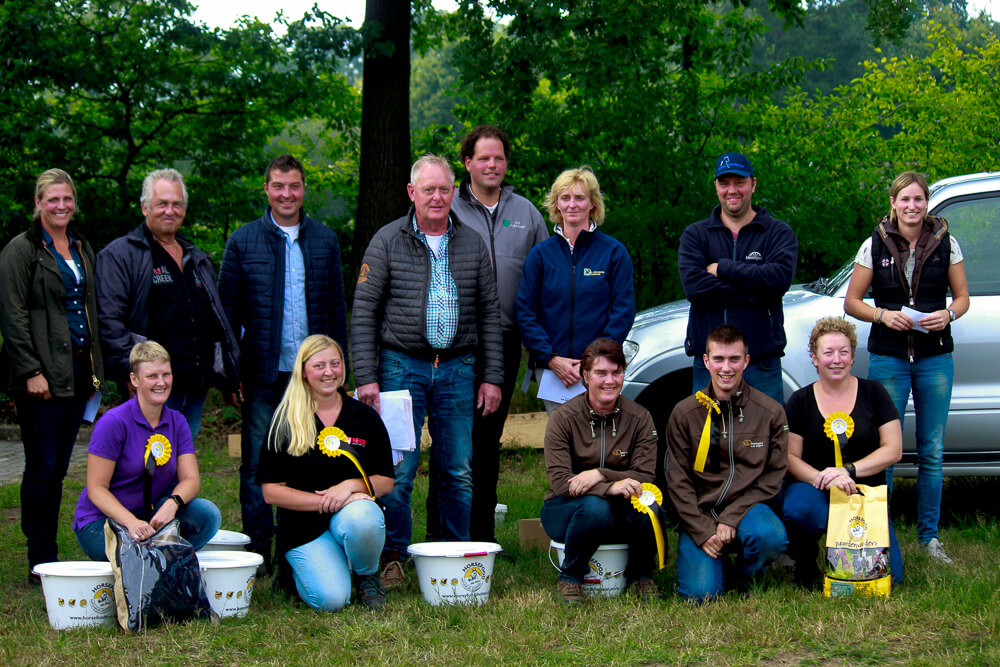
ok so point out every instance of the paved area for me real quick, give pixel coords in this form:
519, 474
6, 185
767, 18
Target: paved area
12, 453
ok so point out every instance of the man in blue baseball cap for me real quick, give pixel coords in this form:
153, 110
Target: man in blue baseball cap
736, 266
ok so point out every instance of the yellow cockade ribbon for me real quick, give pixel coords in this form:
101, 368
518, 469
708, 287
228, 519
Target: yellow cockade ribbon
706, 432
838, 427
159, 448
644, 502
329, 440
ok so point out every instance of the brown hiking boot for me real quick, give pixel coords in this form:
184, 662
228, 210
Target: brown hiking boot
570, 592
393, 575
647, 589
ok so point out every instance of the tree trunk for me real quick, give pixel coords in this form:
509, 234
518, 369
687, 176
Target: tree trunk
385, 122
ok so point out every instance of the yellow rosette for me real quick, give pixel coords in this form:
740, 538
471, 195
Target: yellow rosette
159, 448
706, 431
648, 502
330, 441
838, 427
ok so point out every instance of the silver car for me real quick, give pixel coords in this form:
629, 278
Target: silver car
659, 372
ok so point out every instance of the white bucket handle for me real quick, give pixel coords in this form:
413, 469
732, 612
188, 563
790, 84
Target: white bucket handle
551, 549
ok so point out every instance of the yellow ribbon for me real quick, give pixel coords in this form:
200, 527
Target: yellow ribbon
644, 503
329, 440
159, 448
706, 432
838, 427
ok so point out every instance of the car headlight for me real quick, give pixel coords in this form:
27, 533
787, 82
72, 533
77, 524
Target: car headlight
631, 349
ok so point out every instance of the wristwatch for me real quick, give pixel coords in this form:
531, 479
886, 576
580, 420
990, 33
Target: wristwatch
180, 501
851, 470
952, 315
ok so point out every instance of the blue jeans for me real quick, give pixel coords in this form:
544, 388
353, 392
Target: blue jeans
760, 538
191, 404
322, 568
931, 380
259, 403
445, 393
199, 522
586, 522
48, 431
807, 512
763, 375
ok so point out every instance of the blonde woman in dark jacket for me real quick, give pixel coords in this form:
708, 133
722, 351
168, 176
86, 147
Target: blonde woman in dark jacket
51, 357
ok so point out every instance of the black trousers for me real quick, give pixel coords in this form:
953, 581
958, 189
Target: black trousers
48, 431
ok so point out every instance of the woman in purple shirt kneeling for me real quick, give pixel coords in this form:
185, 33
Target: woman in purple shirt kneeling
141, 467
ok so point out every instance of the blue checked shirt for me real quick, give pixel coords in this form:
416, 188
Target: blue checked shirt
294, 316
442, 296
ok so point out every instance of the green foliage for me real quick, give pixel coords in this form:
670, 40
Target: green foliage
645, 92
829, 159
110, 90
939, 616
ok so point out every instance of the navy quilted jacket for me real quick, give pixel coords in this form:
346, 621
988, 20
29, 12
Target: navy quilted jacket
252, 287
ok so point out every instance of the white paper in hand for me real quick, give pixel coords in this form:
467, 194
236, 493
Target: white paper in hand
397, 415
551, 388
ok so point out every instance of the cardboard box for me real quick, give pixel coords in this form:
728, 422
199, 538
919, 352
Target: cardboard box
234, 444
532, 535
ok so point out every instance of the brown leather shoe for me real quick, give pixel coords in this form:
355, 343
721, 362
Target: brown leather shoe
647, 589
570, 592
393, 575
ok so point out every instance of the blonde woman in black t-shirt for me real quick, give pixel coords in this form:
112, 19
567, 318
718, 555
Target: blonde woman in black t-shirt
326, 459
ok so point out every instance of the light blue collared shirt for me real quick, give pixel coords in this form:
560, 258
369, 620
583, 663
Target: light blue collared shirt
294, 316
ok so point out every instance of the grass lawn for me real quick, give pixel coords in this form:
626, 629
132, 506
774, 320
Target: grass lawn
940, 616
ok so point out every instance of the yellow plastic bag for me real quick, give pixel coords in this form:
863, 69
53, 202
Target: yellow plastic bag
857, 542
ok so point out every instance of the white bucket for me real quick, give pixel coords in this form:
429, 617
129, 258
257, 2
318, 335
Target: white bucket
229, 578
455, 572
227, 540
78, 593
607, 568
499, 514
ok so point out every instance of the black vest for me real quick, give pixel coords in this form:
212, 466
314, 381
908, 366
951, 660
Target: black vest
930, 293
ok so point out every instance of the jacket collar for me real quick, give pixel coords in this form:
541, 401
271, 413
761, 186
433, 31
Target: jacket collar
34, 234
761, 217
739, 397
934, 225
465, 192
138, 237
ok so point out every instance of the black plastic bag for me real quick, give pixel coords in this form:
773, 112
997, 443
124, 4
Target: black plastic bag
155, 580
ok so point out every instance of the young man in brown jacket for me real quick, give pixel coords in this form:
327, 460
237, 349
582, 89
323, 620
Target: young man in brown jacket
727, 459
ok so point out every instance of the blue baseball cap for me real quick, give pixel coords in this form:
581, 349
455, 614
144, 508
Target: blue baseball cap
733, 163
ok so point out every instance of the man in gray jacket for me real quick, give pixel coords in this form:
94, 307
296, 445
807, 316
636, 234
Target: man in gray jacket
511, 226
425, 307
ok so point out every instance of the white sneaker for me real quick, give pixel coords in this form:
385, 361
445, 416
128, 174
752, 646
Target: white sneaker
936, 551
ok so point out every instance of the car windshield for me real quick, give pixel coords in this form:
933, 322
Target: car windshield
829, 286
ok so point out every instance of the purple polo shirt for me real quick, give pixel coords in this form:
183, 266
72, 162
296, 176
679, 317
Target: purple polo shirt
121, 436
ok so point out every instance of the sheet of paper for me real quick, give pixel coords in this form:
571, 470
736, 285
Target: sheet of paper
397, 415
551, 388
915, 315
90, 410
